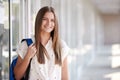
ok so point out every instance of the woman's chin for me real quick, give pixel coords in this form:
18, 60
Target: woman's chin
48, 31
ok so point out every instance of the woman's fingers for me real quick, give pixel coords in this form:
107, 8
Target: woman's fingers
32, 50
31, 45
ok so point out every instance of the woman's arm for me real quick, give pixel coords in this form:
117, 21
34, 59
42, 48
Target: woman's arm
22, 64
65, 75
21, 67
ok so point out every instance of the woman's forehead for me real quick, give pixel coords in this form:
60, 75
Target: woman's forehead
49, 14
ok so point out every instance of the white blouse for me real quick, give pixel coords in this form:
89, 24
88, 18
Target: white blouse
49, 70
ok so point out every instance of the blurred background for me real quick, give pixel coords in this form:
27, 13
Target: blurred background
91, 28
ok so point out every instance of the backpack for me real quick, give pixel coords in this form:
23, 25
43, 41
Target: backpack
12, 76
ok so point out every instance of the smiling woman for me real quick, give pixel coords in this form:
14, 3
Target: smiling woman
48, 53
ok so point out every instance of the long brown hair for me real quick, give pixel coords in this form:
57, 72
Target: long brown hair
41, 51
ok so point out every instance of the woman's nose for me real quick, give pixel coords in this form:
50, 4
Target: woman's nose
48, 22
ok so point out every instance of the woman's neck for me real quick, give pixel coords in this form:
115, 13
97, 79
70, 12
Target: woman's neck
44, 38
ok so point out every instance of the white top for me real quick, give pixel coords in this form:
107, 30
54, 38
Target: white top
49, 70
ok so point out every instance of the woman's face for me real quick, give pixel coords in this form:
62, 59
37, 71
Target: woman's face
48, 22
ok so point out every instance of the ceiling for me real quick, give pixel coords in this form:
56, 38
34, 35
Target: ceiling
107, 6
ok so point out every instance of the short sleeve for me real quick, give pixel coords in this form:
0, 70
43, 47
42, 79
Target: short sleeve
22, 49
65, 50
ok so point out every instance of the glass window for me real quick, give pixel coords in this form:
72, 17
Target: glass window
15, 21
4, 40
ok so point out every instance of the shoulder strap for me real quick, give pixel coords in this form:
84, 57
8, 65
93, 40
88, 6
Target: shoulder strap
29, 42
12, 77
26, 77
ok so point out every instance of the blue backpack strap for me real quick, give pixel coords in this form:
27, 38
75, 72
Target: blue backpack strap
12, 77
28, 40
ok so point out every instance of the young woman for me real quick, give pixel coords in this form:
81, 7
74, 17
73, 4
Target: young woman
48, 52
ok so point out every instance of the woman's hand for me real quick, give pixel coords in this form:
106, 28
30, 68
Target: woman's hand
31, 51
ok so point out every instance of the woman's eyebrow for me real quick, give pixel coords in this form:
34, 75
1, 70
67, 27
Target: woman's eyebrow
44, 17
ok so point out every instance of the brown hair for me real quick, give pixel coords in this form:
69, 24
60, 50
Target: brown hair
54, 34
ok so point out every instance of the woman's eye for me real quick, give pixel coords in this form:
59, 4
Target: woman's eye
43, 19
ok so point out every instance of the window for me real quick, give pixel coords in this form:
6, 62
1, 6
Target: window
4, 40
